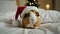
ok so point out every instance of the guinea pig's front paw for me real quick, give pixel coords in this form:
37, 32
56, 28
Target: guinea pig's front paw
35, 27
15, 23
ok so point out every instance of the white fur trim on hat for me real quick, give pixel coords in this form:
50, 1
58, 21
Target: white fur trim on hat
28, 9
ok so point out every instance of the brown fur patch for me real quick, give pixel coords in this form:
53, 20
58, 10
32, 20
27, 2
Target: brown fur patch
25, 21
38, 22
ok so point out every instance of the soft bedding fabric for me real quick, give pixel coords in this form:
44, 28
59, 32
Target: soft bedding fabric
49, 28
49, 17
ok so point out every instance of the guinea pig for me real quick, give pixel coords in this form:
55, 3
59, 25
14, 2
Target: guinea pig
31, 19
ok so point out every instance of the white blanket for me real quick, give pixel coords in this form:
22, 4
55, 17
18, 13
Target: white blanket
48, 28
51, 26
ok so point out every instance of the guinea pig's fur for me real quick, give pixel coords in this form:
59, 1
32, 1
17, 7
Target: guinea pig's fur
31, 19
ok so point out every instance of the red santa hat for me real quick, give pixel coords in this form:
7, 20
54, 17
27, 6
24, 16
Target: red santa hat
19, 11
22, 10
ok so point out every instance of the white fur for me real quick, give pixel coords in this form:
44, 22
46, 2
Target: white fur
32, 18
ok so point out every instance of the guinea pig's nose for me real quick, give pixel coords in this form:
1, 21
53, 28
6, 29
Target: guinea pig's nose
32, 20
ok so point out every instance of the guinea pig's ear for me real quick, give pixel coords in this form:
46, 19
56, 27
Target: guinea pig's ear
37, 14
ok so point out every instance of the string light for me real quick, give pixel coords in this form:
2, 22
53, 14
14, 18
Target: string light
34, 0
47, 6
30, 3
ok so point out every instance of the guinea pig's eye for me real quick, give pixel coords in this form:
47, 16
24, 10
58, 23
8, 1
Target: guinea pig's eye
37, 14
32, 10
26, 15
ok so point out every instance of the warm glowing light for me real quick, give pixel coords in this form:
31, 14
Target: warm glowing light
34, 0
30, 3
47, 6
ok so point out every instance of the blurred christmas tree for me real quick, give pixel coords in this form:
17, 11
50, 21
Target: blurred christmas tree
32, 3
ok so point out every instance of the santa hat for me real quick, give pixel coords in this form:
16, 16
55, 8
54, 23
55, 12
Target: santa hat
19, 11
23, 10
